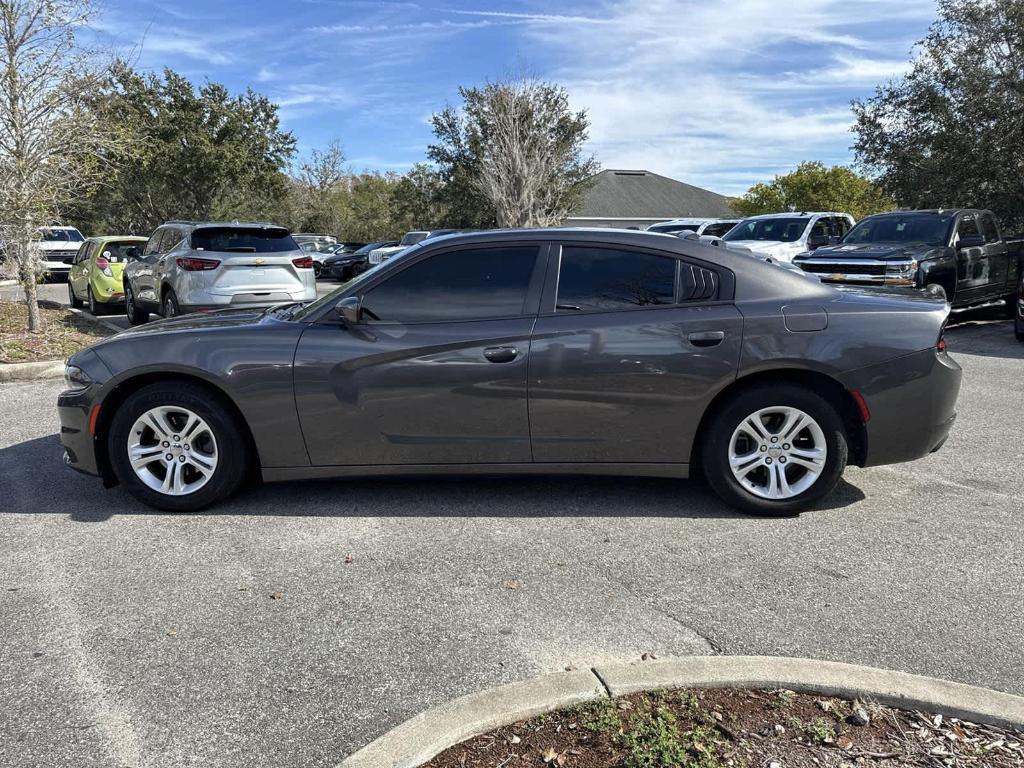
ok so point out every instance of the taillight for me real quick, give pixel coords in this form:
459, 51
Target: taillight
192, 264
303, 262
104, 266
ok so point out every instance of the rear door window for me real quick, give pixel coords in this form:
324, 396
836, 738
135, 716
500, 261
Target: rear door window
467, 284
600, 279
244, 240
153, 245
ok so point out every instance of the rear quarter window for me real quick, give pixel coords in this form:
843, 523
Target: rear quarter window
243, 240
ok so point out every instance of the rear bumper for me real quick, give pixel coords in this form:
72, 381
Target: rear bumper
196, 300
912, 402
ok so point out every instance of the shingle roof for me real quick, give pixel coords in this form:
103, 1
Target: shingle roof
627, 194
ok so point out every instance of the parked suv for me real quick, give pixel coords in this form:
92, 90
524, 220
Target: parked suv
188, 266
380, 255
782, 236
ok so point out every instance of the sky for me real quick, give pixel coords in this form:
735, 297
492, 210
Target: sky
718, 93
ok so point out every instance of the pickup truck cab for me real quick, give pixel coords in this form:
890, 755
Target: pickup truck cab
956, 253
782, 236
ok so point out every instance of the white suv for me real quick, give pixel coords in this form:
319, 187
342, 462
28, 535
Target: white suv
709, 227
380, 255
188, 266
57, 248
781, 236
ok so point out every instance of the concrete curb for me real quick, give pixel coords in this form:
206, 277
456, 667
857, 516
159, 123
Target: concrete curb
100, 320
427, 734
47, 369
420, 738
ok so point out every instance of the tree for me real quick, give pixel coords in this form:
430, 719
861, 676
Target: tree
512, 155
320, 188
52, 144
418, 199
813, 187
204, 154
951, 132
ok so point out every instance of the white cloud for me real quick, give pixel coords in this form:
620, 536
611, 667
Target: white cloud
724, 93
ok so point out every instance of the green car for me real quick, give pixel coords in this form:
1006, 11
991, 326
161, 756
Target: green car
95, 276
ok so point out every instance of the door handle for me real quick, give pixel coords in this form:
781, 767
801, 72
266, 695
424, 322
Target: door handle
501, 354
706, 338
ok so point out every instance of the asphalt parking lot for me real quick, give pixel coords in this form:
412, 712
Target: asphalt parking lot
299, 621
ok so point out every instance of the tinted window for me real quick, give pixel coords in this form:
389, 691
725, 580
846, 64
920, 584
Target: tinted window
61, 236
988, 222
786, 230
968, 226
603, 278
171, 238
243, 240
153, 244
120, 250
466, 284
718, 230
411, 238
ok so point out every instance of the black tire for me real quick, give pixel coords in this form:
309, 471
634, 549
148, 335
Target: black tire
72, 299
233, 454
718, 435
317, 270
169, 305
95, 307
136, 315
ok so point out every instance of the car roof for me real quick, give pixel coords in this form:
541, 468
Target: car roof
690, 220
792, 214
104, 238
240, 224
931, 212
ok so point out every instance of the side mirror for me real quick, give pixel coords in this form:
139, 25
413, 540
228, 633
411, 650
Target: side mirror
971, 241
816, 241
834, 239
349, 310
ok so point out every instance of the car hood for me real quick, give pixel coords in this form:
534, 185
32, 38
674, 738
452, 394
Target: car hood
874, 251
199, 321
763, 247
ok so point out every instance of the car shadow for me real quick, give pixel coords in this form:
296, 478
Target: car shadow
984, 338
35, 481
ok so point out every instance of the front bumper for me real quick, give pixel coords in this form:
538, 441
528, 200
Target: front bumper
912, 401
73, 410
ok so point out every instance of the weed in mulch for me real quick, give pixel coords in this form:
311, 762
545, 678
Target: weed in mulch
735, 728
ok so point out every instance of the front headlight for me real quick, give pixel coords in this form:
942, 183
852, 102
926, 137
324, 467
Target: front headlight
901, 272
75, 379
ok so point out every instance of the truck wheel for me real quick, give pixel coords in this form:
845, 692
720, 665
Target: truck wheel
774, 450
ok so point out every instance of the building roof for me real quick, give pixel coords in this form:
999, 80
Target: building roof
625, 194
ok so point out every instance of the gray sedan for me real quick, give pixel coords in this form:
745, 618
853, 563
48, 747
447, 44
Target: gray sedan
525, 351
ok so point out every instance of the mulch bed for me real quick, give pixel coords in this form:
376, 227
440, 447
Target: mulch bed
729, 728
64, 333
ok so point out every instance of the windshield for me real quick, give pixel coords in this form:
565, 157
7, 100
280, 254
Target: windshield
782, 230
121, 251
61, 236
352, 288
411, 238
243, 240
931, 229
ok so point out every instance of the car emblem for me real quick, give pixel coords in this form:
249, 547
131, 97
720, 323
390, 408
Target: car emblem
835, 277
259, 261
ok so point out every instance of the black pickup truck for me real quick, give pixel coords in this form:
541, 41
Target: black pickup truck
956, 253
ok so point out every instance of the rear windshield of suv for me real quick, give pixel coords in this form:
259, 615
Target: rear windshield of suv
411, 238
243, 240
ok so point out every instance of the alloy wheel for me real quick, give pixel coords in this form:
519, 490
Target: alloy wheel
172, 450
777, 453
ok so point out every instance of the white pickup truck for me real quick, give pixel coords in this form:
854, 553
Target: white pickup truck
57, 248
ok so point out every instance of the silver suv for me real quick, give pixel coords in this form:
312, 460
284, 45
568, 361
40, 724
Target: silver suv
189, 266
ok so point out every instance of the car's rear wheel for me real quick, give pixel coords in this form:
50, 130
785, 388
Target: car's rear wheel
73, 300
175, 447
170, 304
774, 450
136, 315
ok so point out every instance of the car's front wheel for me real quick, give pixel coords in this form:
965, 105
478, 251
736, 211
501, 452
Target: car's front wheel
177, 447
774, 450
73, 300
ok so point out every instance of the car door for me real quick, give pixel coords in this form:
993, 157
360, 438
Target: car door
972, 260
78, 276
435, 372
628, 350
998, 256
